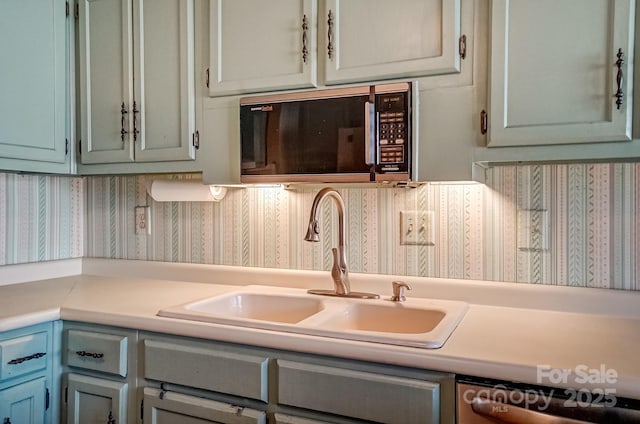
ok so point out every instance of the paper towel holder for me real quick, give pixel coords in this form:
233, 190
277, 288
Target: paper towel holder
185, 191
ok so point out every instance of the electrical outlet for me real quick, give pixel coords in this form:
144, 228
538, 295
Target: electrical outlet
143, 220
416, 228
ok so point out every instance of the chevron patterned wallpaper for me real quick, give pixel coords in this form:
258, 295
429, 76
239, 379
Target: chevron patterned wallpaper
41, 218
572, 224
575, 224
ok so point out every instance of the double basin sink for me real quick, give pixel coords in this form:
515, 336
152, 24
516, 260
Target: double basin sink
416, 322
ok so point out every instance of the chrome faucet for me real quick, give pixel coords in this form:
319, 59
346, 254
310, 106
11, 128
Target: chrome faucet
339, 271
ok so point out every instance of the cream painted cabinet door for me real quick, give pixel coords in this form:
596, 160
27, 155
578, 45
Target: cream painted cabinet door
364, 40
95, 400
553, 76
33, 83
164, 80
137, 85
106, 80
259, 45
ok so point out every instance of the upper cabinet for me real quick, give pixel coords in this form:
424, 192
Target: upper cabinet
258, 46
137, 96
285, 44
365, 40
560, 71
33, 86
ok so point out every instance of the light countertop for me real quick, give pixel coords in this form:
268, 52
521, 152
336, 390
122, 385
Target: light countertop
499, 341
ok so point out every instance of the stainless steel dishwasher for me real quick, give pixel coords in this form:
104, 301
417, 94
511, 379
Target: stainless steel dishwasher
492, 401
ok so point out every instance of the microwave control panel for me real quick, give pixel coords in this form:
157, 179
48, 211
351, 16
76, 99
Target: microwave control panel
393, 132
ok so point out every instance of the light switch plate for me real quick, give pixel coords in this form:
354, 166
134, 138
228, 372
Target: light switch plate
416, 228
533, 229
143, 220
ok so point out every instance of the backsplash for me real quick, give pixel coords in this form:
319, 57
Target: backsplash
591, 210
41, 218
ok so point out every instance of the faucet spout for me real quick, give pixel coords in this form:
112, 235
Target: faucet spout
339, 271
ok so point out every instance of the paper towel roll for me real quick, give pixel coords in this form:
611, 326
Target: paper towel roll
185, 191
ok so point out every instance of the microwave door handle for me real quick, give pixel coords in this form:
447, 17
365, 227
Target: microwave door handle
369, 133
509, 414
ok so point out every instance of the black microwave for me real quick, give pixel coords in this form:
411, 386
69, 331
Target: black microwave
355, 134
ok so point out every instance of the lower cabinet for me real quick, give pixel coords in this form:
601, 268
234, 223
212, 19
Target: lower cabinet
162, 407
26, 376
99, 374
95, 400
190, 380
359, 394
24, 403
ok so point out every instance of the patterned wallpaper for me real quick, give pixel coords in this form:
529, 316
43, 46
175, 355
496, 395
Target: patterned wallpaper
41, 218
582, 227
591, 212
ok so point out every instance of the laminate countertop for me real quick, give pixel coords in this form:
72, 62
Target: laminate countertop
556, 337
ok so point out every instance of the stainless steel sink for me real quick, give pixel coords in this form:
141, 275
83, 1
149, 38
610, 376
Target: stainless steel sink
425, 323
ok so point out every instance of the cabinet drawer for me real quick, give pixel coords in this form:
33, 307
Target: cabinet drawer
22, 355
97, 351
179, 408
203, 367
358, 394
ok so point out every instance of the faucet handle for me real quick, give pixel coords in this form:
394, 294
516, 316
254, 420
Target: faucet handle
398, 291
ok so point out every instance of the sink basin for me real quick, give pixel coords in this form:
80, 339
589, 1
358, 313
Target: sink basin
386, 319
258, 306
424, 323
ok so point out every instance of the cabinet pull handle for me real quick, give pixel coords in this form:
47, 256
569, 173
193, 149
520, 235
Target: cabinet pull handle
111, 420
135, 122
7, 420
619, 77
483, 122
462, 46
123, 131
26, 358
90, 354
330, 34
305, 28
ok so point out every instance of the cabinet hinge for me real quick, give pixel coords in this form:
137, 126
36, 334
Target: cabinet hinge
207, 77
484, 118
79, 147
76, 11
142, 409
66, 146
66, 8
46, 399
66, 394
196, 140
462, 46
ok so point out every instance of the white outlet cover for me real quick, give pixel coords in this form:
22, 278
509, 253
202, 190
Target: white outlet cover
416, 228
143, 220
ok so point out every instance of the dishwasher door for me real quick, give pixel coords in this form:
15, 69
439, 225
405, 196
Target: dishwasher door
502, 403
